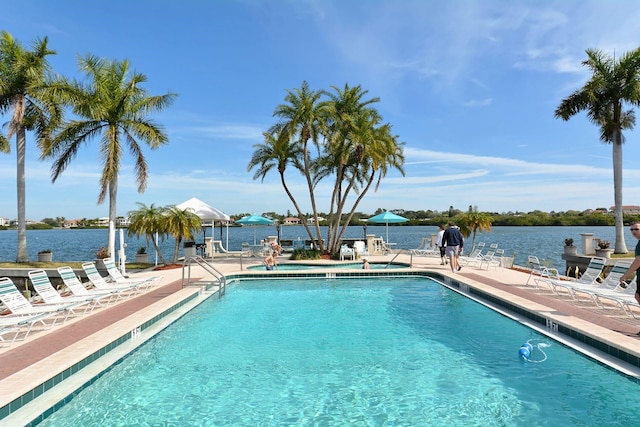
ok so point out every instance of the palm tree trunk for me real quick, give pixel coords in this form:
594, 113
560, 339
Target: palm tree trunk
620, 246
113, 191
21, 142
176, 251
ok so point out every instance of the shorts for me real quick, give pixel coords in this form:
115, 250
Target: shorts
441, 251
452, 251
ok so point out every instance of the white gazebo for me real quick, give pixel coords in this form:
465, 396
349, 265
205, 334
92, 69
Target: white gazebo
207, 213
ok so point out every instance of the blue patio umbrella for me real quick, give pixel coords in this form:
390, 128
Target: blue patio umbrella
386, 218
254, 220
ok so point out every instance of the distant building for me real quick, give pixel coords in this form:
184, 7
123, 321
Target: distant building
123, 221
14, 222
4, 221
628, 209
312, 220
291, 220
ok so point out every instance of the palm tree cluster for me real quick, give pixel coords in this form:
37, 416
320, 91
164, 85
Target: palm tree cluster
109, 104
337, 135
151, 221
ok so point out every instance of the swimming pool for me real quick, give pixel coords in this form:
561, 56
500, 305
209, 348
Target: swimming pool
352, 265
389, 351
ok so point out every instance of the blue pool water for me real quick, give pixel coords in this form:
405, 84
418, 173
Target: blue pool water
393, 352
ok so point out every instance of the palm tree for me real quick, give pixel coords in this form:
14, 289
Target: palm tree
180, 223
474, 221
359, 151
613, 83
112, 105
148, 220
23, 81
302, 120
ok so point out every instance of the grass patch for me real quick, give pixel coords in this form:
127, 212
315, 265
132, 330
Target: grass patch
630, 255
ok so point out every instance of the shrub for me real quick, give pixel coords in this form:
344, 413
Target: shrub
302, 254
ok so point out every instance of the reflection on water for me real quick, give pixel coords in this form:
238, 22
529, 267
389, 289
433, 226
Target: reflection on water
80, 245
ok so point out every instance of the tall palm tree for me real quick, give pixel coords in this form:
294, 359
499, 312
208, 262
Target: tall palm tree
23, 81
473, 221
302, 120
114, 106
277, 152
180, 223
613, 83
359, 150
148, 221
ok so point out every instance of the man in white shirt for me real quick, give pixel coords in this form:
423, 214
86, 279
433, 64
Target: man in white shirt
439, 245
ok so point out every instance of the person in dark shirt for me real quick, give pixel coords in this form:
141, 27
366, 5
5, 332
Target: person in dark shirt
634, 268
453, 242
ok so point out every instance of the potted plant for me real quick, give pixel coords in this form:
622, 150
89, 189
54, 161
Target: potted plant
101, 254
569, 249
45, 255
142, 256
603, 250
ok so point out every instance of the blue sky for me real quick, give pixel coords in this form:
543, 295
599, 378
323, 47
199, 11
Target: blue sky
469, 86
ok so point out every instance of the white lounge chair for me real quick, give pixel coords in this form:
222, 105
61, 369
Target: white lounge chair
592, 288
623, 297
538, 270
494, 260
474, 258
11, 328
609, 288
116, 276
589, 277
42, 285
477, 259
76, 287
425, 248
11, 297
98, 282
19, 326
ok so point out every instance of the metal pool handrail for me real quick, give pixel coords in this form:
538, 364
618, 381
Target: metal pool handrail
206, 266
400, 251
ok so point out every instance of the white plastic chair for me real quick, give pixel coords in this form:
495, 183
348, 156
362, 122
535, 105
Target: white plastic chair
360, 248
346, 252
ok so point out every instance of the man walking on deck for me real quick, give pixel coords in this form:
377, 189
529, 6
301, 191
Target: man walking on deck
634, 268
453, 241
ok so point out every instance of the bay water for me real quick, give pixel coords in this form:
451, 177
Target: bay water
81, 244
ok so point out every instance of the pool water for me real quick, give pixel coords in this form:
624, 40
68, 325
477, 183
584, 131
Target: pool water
353, 265
370, 352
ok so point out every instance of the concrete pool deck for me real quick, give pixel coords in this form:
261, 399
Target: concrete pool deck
26, 365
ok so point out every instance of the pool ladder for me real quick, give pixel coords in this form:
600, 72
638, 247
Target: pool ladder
219, 281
